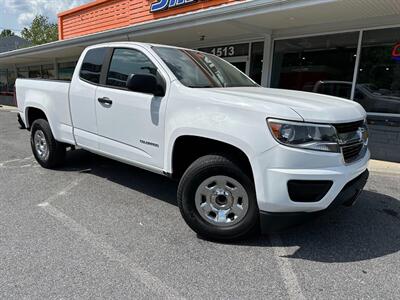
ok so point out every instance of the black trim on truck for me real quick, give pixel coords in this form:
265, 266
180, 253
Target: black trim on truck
308, 190
20, 122
273, 222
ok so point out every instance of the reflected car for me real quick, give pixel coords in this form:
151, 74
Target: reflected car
368, 95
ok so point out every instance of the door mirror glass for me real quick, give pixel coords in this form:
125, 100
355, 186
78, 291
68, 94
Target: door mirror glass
145, 83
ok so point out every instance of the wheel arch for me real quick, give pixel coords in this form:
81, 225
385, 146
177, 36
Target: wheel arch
187, 148
33, 113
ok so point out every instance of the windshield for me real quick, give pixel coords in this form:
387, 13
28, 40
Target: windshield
200, 70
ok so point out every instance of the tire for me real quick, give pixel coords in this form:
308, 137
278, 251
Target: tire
49, 153
212, 184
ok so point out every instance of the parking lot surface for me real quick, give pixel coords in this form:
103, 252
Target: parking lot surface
101, 229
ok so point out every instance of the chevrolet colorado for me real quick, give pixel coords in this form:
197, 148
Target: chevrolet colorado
246, 156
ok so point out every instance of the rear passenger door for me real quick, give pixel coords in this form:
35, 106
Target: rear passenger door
130, 124
82, 97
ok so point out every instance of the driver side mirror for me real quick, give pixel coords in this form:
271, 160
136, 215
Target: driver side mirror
145, 83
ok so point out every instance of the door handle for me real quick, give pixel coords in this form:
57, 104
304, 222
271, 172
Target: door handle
105, 101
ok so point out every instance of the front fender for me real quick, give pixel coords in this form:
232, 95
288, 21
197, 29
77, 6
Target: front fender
196, 132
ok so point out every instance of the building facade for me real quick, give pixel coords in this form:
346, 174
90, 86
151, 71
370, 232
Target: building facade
8, 76
345, 48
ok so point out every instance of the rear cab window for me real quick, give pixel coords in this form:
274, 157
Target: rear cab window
92, 65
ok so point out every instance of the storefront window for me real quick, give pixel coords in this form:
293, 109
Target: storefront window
11, 80
321, 64
7, 82
66, 70
23, 72
256, 61
3, 81
48, 71
34, 72
378, 84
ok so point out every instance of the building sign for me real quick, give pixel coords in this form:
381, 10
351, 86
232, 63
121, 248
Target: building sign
167, 4
228, 51
396, 52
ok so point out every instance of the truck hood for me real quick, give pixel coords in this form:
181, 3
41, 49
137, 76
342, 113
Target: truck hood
310, 106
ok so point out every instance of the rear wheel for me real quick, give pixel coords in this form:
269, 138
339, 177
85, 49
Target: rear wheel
217, 199
48, 152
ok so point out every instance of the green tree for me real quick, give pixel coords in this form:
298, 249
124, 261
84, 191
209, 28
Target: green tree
41, 31
6, 33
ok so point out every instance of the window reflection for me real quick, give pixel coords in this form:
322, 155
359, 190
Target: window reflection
321, 64
378, 84
66, 70
92, 65
126, 62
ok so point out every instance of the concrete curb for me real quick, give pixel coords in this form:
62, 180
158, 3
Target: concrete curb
8, 108
384, 166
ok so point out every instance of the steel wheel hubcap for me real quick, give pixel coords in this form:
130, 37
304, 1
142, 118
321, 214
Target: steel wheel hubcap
41, 146
221, 200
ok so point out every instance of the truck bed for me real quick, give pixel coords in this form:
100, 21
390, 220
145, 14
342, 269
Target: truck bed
52, 97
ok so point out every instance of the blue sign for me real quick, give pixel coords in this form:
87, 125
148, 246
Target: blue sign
167, 4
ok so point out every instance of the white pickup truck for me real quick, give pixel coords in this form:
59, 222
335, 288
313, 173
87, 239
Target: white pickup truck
247, 157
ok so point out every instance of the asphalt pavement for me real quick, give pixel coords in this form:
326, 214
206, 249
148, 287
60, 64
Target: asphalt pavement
101, 229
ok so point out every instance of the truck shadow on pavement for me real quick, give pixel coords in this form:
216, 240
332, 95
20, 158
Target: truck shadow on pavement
148, 183
368, 230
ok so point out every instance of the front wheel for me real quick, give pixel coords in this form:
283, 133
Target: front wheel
48, 152
217, 199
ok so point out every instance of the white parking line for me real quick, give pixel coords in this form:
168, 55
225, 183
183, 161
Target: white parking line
152, 282
65, 190
285, 268
9, 161
3, 163
11, 109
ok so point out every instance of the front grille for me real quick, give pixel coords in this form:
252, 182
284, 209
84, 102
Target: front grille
351, 152
348, 127
351, 144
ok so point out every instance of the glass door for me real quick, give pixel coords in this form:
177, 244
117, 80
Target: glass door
240, 62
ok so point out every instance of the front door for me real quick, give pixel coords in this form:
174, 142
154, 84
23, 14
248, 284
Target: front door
130, 124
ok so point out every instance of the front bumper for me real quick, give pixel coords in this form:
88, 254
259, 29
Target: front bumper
272, 222
275, 168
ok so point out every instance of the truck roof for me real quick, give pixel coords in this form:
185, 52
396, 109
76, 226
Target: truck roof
145, 45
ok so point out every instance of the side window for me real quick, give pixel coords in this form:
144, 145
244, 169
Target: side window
92, 64
125, 62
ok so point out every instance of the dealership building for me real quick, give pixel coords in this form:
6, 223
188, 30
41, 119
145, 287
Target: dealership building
346, 48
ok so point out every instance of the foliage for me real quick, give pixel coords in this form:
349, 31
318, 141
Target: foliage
6, 33
41, 31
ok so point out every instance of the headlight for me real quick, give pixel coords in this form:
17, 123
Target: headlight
305, 135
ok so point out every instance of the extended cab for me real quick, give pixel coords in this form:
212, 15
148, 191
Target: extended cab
245, 155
